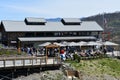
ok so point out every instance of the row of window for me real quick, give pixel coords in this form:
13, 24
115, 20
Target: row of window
43, 34
52, 34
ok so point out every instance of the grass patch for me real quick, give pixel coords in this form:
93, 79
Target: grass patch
98, 67
7, 52
114, 64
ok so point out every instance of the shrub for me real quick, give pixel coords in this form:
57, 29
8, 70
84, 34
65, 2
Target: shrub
76, 58
8, 52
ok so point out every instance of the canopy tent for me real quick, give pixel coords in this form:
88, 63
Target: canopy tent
52, 46
82, 43
93, 43
64, 42
60, 44
45, 44
72, 44
108, 43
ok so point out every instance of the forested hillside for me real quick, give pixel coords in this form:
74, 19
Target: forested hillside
110, 22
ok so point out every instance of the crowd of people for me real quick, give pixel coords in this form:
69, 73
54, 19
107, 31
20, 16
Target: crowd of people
41, 51
29, 50
67, 52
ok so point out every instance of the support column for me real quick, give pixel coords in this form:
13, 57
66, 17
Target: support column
28, 70
46, 55
13, 74
19, 47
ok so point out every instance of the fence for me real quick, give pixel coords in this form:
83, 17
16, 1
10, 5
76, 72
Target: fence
28, 61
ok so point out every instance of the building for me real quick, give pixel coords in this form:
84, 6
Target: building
33, 31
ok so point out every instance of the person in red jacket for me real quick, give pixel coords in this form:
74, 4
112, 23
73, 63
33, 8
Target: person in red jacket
62, 54
62, 51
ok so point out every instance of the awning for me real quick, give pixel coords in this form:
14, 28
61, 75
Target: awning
93, 43
108, 43
54, 38
36, 39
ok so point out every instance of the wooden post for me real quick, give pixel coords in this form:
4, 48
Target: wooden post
19, 47
14, 62
46, 55
32, 61
36, 60
28, 71
23, 62
40, 61
4, 63
53, 60
12, 74
58, 58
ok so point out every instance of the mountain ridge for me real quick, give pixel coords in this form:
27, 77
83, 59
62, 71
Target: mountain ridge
110, 22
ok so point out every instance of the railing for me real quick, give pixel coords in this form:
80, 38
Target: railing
28, 61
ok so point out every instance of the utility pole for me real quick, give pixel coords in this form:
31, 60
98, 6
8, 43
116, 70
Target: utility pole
105, 33
104, 21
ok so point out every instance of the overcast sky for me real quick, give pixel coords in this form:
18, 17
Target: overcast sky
19, 9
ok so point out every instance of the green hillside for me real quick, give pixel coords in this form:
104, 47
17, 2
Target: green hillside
98, 69
110, 22
113, 19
